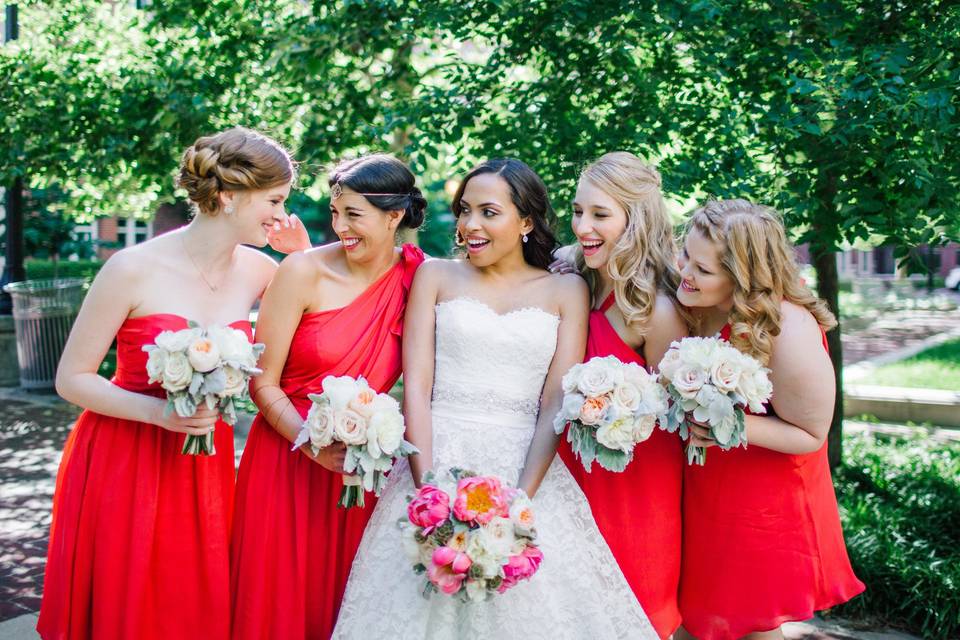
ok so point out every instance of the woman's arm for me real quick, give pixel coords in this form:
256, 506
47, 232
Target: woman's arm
571, 344
419, 325
105, 307
803, 391
284, 303
665, 325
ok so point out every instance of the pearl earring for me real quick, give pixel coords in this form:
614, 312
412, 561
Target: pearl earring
228, 209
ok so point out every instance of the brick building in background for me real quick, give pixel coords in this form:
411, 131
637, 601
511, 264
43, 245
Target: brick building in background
109, 235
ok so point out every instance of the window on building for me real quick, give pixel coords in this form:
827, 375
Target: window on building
131, 231
883, 261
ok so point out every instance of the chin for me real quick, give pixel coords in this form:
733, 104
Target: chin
686, 299
596, 261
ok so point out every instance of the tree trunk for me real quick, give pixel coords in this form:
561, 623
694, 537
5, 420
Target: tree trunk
828, 288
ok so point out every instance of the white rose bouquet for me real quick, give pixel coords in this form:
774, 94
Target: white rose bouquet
471, 536
197, 366
611, 407
713, 382
369, 423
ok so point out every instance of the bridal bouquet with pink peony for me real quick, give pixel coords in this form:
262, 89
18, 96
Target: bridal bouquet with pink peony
198, 366
369, 423
611, 407
471, 535
712, 382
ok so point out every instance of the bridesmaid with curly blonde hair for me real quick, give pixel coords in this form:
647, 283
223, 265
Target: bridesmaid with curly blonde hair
762, 543
627, 254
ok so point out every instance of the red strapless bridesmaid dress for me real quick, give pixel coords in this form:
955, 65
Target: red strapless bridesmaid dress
139, 545
292, 548
638, 510
762, 543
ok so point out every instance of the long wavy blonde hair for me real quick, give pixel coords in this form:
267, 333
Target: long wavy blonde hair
643, 260
762, 264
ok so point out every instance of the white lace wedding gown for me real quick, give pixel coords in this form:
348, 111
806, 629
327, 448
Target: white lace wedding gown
489, 374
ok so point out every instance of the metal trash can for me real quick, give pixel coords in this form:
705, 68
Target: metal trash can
43, 313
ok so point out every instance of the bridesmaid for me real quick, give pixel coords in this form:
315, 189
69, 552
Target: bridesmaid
627, 254
139, 540
762, 543
334, 310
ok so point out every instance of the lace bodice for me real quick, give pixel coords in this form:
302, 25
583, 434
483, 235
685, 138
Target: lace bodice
490, 361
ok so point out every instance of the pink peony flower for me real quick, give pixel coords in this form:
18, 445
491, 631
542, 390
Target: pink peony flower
594, 410
480, 499
520, 567
429, 508
448, 569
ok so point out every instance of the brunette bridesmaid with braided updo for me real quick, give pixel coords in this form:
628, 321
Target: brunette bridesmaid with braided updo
140, 533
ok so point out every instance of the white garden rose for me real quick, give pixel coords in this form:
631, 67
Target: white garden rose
643, 427
670, 362
350, 427
177, 340
761, 392
699, 351
340, 390
627, 396
384, 433
155, 363
502, 537
571, 378
235, 383
204, 355
319, 425
521, 514
617, 434
600, 376
689, 379
177, 372
234, 346
726, 369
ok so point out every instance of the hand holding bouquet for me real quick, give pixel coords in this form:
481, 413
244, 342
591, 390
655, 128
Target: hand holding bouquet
712, 382
198, 366
471, 535
368, 423
611, 407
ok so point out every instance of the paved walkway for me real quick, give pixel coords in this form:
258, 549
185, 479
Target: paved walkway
896, 330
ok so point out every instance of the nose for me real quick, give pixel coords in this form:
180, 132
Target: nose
339, 225
469, 221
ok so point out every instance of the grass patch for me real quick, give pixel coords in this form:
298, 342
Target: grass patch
934, 368
900, 505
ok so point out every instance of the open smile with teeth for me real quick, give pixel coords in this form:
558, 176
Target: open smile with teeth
686, 286
349, 243
475, 244
590, 247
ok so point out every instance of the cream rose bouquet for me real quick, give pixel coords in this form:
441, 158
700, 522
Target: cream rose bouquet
611, 407
712, 382
197, 366
471, 536
369, 423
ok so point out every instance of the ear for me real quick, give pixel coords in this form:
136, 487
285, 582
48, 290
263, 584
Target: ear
526, 225
394, 218
227, 197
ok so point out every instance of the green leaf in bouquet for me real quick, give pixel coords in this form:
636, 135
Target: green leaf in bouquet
215, 382
429, 478
317, 397
170, 407
405, 449
583, 443
193, 324
195, 383
228, 411
419, 568
351, 460
428, 589
612, 459
184, 404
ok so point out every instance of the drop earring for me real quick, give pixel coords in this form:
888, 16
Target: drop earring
458, 240
525, 239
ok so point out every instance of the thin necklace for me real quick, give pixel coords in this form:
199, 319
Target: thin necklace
212, 287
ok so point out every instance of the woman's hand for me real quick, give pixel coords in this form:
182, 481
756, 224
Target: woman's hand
700, 434
199, 424
330, 457
289, 236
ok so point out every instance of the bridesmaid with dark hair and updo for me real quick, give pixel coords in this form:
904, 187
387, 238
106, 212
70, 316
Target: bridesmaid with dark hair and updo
139, 540
334, 310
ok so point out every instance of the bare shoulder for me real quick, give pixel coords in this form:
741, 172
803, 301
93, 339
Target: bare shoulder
301, 266
568, 286
798, 329
665, 315
127, 266
436, 270
256, 259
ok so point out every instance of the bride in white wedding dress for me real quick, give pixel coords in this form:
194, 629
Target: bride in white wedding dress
486, 343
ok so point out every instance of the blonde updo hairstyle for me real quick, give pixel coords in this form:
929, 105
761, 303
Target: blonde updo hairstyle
762, 264
238, 159
643, 260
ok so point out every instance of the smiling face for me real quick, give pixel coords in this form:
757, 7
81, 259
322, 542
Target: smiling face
704, 281
365, 231
255, 211
489, 222
598, 222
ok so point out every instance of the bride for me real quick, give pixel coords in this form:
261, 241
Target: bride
486, 343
